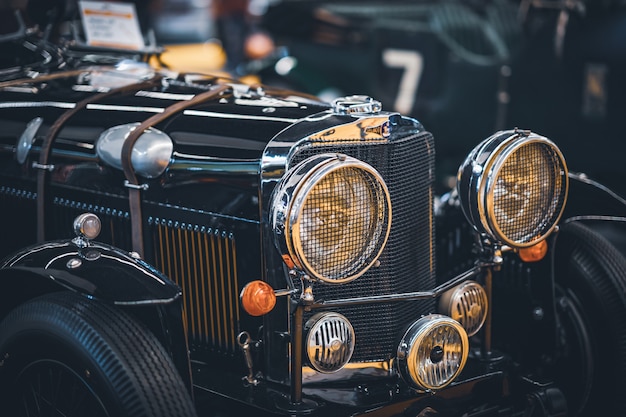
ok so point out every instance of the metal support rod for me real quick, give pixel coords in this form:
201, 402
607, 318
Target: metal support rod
410, 296
486, 345
296, 355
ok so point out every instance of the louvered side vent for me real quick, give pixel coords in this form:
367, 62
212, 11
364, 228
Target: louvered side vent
202, 261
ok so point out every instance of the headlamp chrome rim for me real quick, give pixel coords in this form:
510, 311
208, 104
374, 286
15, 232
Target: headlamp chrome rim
477, 182
291, 199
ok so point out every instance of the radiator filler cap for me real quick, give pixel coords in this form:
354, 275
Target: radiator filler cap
356, 104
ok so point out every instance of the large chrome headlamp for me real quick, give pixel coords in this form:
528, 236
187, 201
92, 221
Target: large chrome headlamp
432, 352
331, 217
513, 186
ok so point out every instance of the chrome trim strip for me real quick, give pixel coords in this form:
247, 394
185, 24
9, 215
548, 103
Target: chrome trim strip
237, 116
125, 108
214, 165
164, 96
30, 104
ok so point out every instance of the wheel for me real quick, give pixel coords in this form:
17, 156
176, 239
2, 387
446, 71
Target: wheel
66, 355
591, 306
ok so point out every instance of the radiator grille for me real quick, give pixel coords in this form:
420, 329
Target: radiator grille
202, 261
407, 263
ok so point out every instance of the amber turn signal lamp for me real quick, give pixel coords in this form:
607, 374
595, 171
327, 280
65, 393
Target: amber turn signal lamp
258, 298
534, 253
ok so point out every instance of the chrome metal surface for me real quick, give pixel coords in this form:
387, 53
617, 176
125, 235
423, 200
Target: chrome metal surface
44, 167
400, 297
181, 164
356, 104
405, 159
432, 352
466, 303
513, 187
324, 127
352, 370
25, 142
244, 340
331, 216
87, 225
150, 156
370, 129
329, 341
124, 72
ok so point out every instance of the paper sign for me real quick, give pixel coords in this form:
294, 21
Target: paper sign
111, 25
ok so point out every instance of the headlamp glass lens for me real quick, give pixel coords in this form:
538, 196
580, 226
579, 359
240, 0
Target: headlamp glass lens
343, 220
528, 193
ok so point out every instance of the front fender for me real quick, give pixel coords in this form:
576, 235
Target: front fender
98, 270
104, 272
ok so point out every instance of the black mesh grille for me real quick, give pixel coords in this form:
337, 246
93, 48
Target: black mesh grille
407, 263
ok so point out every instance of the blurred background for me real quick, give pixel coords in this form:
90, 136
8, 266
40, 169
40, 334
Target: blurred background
463, 68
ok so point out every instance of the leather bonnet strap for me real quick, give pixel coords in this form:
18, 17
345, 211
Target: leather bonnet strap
46, 147
134, 188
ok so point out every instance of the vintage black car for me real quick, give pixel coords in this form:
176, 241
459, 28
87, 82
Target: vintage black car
175, 242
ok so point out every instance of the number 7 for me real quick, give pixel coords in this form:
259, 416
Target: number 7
413, 63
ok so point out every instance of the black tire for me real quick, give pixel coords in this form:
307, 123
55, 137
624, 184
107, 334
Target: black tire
66, 355
591, 305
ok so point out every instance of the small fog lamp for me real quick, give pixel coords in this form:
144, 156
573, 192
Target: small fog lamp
466, 303
432, 352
